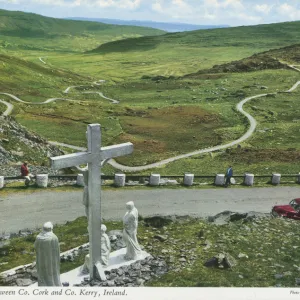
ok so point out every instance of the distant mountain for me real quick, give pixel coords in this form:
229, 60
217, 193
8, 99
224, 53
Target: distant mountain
257, 38
169, 27
28, 31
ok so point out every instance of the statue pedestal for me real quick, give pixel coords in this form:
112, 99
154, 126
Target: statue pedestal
116, 260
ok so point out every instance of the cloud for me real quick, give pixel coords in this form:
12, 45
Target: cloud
236, 4
126, 4
232, 12
123, 4
263, 8
209, 16
157, 6
247, 18
291, 12
10, 1
177, 9
49, 2
180, 3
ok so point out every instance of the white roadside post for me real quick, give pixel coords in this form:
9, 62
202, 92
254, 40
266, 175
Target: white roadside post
42, 180
119, 180
93, 157
276, 178
249, 179
154, 179
188, 179
80, 180
1, 182
220, 179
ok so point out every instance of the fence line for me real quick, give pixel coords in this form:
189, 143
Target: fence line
136, 177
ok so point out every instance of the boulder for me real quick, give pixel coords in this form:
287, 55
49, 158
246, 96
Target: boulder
23, 282
159, 221
229, 261
161, 238
212, 262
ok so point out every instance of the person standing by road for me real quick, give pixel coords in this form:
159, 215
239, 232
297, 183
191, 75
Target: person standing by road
229, 174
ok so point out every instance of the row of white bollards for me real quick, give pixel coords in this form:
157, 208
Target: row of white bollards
154, 180
249, 179
188, 180
41, 180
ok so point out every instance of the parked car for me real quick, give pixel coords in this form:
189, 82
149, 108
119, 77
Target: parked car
291, 210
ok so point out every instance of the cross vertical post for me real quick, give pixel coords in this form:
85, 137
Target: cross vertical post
94, 187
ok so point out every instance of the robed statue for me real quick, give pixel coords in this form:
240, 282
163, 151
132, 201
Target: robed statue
130, 223
105, 252
47, 257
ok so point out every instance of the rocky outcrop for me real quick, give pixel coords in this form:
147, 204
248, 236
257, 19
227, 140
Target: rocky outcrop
228, 216
159, 221
18, 144
133, 275
256, 62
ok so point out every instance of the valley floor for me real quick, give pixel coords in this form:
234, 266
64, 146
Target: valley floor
21, 211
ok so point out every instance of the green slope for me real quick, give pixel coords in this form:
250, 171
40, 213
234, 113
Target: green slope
33, 82
177, 54
272, 60
259, 36
19, 30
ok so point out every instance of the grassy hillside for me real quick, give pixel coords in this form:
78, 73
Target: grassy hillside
259, 36
34, 82
177, 54
27, 31
200, 108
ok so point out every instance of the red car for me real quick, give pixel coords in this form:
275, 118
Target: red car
292, 210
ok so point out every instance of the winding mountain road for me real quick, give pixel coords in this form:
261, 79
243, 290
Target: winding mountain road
41, 60
239, 107
116, 165
9, 109
101, 95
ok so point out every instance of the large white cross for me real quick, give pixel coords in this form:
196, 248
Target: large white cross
93, 157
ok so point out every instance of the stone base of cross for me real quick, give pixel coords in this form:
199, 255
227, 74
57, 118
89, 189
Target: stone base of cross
93, 157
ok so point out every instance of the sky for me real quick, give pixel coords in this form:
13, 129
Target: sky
202, 12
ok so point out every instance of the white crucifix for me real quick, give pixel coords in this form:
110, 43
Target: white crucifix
93, 157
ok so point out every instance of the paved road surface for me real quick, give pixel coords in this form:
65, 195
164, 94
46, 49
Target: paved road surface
20, 211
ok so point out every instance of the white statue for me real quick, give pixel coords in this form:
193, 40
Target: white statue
47, 257
105, 246
105, 251
130, 222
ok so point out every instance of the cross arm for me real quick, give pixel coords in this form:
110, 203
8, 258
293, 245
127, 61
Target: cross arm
116, 150
70, 160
